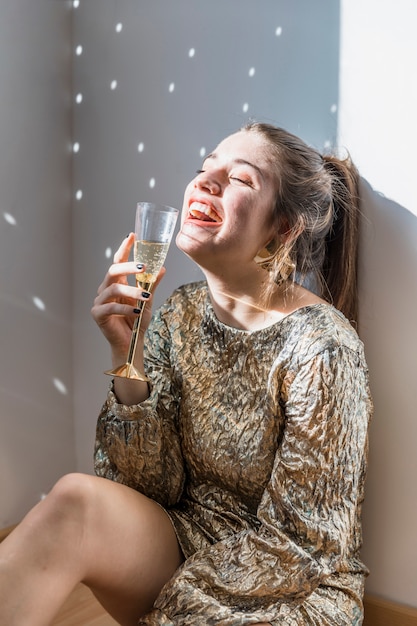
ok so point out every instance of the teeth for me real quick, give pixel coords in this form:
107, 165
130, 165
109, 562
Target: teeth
199, 210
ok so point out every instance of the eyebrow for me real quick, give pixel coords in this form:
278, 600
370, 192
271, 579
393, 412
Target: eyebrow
213, 155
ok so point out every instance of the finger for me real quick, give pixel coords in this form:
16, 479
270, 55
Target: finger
122, 254
119, 292
117, 273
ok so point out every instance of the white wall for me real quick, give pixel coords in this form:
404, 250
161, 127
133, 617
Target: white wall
205, 50
36, 428
378, 103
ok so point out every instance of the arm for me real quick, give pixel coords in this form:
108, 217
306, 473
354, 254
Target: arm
138, 445
309, 512
114, 312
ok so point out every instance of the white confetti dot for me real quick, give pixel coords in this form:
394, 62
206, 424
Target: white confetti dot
245, 107
252, 72
191, 52
79, 194
202, 152
333, 108
119, 27
39, 303
171, 87
278, 31
108, 253
113, 84
76, 147
9, 219
141, 146
76, 4
152, 183
78, 50
59, 385
79, 98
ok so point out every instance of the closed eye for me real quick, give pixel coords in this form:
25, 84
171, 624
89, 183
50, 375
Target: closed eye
241, 180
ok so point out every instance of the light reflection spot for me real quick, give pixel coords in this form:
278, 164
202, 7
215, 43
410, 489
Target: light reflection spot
278, 31
78, 50
79, 98
252, 72
141, 146
202, 152
191, 52
113, 84
108, 253
119, 27
9, 219
59, 385
39, 303
76, 147
79, 194
152, 183
245, 107
333, 108
171, 87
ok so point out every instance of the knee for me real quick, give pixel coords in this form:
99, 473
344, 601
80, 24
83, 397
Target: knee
72, 497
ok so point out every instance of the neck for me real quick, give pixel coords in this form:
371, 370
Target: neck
239, 301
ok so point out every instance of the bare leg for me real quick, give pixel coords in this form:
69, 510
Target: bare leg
117, 541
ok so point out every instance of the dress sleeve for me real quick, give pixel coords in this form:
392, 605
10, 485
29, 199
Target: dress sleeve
309, 513
139, 445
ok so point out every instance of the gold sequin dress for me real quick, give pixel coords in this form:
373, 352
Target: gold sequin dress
255, 443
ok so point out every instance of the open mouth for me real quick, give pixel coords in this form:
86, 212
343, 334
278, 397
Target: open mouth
203, 213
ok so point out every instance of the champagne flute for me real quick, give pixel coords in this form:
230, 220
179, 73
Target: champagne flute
154, 227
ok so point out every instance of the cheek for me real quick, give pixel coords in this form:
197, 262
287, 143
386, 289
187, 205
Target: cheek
187, 194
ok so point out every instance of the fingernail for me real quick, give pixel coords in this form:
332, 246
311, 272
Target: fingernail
137, 311
140, 266
146, 294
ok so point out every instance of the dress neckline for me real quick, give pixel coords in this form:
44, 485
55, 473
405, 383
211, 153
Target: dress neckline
211, 316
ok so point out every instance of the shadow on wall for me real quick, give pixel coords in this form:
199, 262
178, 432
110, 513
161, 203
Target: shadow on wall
388, 326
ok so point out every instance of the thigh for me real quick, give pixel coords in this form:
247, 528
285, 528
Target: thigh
129, 545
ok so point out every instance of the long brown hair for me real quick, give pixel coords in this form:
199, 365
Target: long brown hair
317, 207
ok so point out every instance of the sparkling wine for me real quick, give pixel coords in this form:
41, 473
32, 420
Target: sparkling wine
152, 254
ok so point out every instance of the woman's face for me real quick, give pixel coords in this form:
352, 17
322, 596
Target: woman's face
227, 209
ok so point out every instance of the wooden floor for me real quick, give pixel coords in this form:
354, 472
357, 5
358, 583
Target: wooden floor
82, 609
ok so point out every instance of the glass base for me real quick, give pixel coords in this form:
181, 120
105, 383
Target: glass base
127, 371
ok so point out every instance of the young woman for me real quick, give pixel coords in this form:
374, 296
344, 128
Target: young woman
229, 488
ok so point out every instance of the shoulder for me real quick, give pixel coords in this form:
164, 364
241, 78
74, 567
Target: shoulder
185, 301
191, 294
320, 328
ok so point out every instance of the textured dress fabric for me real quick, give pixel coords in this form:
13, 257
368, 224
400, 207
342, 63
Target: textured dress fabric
255, 443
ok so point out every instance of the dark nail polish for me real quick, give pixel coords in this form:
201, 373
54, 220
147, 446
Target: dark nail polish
137, 311
146, 294
140, 266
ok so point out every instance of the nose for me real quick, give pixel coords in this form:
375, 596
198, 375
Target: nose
206, 182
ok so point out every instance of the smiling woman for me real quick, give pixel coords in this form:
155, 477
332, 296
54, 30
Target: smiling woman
229, 487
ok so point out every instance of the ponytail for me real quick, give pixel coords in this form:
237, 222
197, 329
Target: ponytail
317, 202
340, 266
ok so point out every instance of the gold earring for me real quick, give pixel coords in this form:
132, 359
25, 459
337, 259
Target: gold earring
285, 266
266, 254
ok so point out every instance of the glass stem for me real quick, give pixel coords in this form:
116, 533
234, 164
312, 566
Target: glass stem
135, 332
